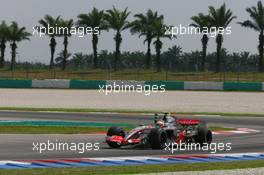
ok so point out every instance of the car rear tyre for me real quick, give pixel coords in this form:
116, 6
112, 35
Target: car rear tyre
157, 138
209, 137
201, 135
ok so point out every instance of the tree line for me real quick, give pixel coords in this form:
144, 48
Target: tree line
173, 59
150, 25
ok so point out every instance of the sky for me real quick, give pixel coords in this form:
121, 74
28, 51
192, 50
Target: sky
28, 12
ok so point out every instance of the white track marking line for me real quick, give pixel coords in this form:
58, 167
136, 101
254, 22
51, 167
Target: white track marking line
14, 162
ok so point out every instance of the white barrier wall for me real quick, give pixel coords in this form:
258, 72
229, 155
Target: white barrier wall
51, 83
94, 84
203, 85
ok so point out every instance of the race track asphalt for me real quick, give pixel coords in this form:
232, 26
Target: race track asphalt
182, 101
20, 146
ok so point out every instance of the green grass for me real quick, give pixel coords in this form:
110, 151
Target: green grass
132, 74
219, 128
86, 110
138, 169
68, 129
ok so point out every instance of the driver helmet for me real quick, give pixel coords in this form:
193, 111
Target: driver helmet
165, 117
160, 123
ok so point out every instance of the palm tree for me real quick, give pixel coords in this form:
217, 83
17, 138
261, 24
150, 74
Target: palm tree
202, 22
144, 26
60, 59
66, 25
16, 34
79, 60
257, 23
3, 39
117, 20
159, 29
94, 19
220, 18
172, 57
49, 21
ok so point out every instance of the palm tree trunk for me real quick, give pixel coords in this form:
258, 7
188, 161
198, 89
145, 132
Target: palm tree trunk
204, 43
65, 52
52, 51
2, 58
148, 65
118, 40
95, 42
219, 41
261, 50
13, 55
158, 52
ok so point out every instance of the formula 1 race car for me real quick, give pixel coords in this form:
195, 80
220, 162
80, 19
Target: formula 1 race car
166, 129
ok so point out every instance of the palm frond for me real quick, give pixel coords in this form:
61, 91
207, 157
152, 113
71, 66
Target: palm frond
117, 20
220, 17
250, 24
257, 18
17, 34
